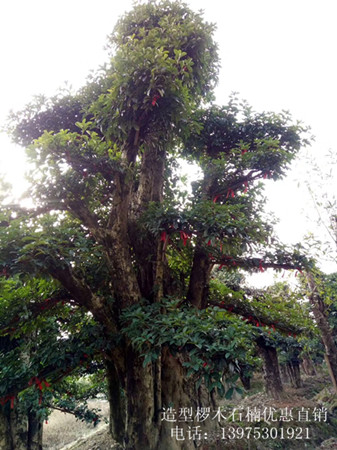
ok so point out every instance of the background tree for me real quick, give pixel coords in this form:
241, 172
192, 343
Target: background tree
278, 315
110, 230
318, 285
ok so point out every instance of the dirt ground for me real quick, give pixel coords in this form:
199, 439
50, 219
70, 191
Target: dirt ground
63, 431
96, 440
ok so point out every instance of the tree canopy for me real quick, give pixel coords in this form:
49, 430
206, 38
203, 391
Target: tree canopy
121, 241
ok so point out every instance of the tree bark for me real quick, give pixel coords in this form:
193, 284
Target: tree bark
293, 368
198, 287
319, 310
179, 393
35, 432
5, 431
141, 430
117, 402
199, 280
137, 420
271, 369
331, 372
245, 378
19, 430
308, 366
284, 374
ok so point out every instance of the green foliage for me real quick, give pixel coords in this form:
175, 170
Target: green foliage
165, 62
60, 112
263, 140
34, 246
277, 312
110, 234
328, 289
212, 342
72, 393
289, 349
42, 339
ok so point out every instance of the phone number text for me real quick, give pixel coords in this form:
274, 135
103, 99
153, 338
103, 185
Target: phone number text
230, 433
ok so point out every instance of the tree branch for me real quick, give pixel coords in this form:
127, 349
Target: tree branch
83, 295
257, 264
244, 309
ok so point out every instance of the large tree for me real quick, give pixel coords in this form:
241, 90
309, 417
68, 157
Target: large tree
113, 227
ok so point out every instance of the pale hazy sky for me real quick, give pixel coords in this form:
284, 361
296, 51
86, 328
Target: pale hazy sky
278, 54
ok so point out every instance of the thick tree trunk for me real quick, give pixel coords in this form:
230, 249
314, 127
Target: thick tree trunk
271, 369
142, 431
199, 280
5, 431
331, 372
319, 310
284, 374
140, 422
19, 430
35, 432
245, 375
308, 366
293, 368
117, 402
134, 418
178, 393
198, 288
245, 380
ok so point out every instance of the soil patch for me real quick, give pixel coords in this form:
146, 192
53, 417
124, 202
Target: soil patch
63, 429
